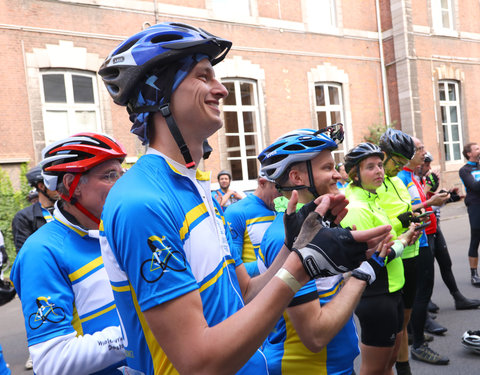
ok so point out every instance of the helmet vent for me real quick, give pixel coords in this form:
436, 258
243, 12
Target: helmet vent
294, 148
126, 47
185, 26
165, 38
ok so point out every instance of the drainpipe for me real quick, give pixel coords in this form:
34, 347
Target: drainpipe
155, 11
382, 66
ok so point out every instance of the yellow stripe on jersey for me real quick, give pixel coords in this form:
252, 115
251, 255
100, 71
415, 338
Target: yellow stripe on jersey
85, 269
260, 219
161, 364
333, 291
77, 325
104, 311
217, 276
125, 288
76, 230
199, 175
297, 359
190, 217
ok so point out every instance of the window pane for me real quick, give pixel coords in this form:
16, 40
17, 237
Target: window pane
230, 99
85, 121
322, 119
252, 168
445, 133
333, 95
54, 88
442, 91
456, 151
335, 117
246, 91
250, 145
445, 4
447, 152
82, 89
445, 19
248, 122
55, 126
453, 114
231, 122
319, 95
451, 92
236, 168
233, 142
443, 110
455, 133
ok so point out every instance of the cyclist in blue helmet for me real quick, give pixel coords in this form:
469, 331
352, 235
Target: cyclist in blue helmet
178, 287
322, 337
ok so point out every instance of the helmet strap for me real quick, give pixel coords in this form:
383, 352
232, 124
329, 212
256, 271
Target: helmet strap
175, 131
311, 188
44, 193
74, 201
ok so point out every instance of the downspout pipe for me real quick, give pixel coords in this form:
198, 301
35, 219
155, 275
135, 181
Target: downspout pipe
382, 65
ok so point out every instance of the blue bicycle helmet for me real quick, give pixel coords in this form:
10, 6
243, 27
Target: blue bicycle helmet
156, 46
296, 146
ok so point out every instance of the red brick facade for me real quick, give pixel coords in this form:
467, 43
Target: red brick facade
274, 46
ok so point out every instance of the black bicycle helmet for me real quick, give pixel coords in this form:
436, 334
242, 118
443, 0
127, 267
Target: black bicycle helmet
428, 157
360, 152
34, 176
396, 142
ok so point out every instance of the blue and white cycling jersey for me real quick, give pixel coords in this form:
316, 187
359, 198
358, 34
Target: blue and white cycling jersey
248, 220
163, 238
61, 281
286, 354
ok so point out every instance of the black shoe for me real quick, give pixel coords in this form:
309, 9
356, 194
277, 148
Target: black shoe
476, 281
433, 307
425, 354
434, 328
463, 303
403, 368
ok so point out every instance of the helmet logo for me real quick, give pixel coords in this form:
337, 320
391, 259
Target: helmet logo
118, 59
270, 154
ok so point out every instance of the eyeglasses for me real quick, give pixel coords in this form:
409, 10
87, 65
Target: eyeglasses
420, 148
112, 176
399, 164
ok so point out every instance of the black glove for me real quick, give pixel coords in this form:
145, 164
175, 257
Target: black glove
432, 181
293, 223
454, 197
327, 251
408, 217
7, 292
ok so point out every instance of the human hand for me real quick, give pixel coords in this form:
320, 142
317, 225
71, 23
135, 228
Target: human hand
330, 207
331, 251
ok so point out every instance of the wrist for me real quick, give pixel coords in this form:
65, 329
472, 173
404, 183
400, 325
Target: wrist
425, 205
288, 279
359, 275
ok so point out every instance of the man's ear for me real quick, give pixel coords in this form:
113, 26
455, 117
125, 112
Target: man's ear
67, 182
296, 177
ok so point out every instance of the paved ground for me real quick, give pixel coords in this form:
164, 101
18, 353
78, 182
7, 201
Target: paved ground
456, 230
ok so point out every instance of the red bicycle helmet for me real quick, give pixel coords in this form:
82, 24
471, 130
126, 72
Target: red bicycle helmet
77, 154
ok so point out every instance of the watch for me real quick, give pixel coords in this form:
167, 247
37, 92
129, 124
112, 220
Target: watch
361, 276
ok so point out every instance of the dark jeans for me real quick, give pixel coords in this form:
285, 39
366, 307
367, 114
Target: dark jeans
474, 218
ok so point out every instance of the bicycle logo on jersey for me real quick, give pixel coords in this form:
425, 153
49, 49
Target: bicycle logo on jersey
46, 312
163, 259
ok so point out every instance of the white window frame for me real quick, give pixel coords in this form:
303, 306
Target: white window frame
70, 107
315, 7
447, 103
437, 18
328, 108
239, 108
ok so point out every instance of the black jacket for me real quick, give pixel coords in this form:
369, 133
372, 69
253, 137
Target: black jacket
471, 185
26, 222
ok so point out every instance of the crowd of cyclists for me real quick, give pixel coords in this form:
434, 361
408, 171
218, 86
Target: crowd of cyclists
150, 272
